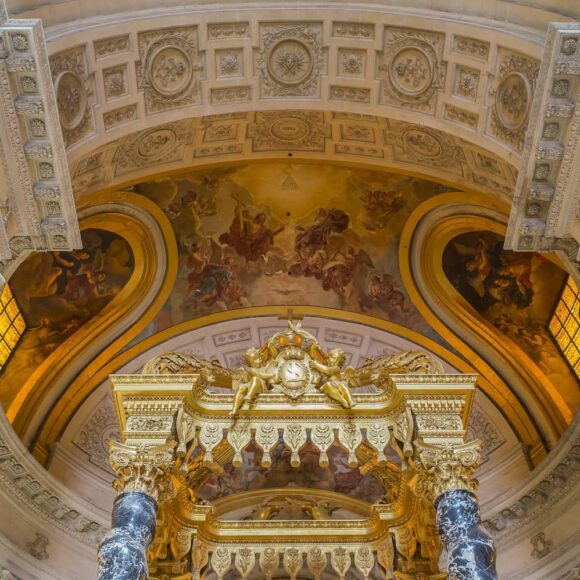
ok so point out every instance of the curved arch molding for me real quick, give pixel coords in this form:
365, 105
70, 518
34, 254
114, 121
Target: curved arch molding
531, 403
148, 232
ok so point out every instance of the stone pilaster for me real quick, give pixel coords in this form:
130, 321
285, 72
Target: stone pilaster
445, 475
143, 477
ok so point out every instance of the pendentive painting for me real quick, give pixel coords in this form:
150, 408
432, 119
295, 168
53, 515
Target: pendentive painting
277, 234
517, 292
58, 293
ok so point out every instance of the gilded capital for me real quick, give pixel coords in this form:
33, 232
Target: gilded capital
446, 467
142, 468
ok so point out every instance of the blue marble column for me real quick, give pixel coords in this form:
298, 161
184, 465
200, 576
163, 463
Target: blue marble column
470, 548
123, 551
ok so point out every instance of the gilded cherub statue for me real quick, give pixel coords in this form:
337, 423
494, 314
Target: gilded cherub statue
335, 386
254, 380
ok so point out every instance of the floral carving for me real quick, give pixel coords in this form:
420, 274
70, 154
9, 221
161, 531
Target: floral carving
229, 63
351, 62
354, 30
472, 47
111, 45
446, 467
467, 82
114, 79
142, 469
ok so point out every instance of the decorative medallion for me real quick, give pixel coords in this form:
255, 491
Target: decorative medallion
415, 144
163, 144
422, 144
290, 62
290, 59
170, 63
415, 71
170, 70
512, 98
71, 99
411, 71
157, 143
288, 130
73, 89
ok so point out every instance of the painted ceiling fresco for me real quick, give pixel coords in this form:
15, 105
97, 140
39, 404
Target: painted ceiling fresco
287, 234
276, 234
58, 293
517, 294
338, 477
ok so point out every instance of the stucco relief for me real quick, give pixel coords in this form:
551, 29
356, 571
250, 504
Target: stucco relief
333, 135
291, 59
482, 428
512, 95
170, 67
411, 68
100, 427
420, 145
156, 146
74, 93
288, 131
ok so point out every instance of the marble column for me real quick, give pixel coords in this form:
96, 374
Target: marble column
471, 553
123, 551
445, 476
143, 475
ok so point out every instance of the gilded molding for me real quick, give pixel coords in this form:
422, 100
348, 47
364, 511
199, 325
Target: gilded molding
143, 468
446, 467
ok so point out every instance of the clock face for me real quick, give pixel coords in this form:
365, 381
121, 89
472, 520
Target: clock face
294, 374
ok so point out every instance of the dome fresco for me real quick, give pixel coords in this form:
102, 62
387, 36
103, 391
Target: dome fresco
289, 234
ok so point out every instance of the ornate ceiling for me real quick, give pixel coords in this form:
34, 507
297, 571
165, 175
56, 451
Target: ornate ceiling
230, 164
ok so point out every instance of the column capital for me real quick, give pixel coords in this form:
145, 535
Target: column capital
446, 467
142, 468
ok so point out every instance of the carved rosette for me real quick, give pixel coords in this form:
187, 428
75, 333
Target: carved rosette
446, 467
412, 67
170, 68
142, 468
291, 59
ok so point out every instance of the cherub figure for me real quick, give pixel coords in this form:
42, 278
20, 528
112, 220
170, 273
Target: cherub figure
255, 380
335, 387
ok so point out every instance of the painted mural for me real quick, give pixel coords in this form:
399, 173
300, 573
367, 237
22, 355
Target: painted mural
58, 293
517, 293
337, 477
276, 234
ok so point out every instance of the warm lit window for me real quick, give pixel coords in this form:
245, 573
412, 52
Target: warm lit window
12, 325
565, 324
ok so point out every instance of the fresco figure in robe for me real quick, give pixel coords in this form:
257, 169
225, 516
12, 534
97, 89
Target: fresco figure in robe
249, 234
